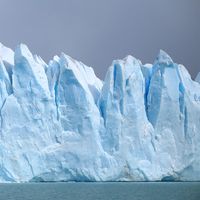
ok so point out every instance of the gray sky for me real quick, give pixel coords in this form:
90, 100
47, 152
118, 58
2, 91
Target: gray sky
98, 31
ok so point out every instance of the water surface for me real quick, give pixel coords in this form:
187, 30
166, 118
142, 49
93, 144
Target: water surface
101, 191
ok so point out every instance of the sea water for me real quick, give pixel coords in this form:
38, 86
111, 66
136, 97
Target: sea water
101, 191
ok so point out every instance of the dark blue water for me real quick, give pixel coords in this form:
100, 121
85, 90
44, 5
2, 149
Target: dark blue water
101, 191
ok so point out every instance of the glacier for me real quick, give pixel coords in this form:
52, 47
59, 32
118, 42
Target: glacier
60, 122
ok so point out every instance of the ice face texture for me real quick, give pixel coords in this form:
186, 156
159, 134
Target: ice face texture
59, 122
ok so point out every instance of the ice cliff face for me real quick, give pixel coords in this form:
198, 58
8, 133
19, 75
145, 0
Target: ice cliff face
59, 122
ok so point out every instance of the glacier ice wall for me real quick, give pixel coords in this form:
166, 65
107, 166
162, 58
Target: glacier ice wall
59, 122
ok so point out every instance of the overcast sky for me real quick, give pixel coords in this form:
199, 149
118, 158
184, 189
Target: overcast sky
98, 31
